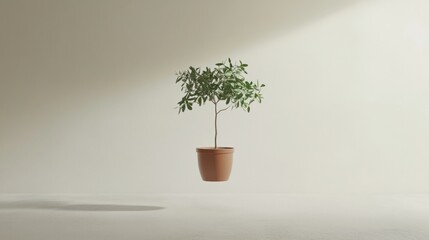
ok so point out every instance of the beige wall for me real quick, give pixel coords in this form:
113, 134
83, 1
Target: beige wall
87, 95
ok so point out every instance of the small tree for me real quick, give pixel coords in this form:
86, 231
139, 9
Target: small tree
225, 84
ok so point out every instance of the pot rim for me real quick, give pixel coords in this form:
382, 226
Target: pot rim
216, 150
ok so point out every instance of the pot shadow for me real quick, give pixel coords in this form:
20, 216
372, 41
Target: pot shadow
109, 207
65, 206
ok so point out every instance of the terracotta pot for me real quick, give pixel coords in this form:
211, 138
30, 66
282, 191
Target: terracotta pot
215, 163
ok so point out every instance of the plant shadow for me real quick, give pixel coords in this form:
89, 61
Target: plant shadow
60, 205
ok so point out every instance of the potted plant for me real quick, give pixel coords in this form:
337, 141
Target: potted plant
226, 87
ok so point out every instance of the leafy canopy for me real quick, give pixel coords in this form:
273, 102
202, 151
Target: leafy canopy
225, 82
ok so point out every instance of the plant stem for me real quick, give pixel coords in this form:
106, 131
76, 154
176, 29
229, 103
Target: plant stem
216, 113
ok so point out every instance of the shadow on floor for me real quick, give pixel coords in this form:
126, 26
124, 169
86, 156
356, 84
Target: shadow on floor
59, 205
108, 207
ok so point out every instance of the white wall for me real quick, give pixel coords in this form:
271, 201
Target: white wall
87, 95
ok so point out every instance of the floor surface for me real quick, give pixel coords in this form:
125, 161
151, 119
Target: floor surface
220, 217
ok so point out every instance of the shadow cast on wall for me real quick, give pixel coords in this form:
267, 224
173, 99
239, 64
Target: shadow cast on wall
60, 205
98, 48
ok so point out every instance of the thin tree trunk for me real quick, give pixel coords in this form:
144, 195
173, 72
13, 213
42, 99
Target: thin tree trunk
216, 125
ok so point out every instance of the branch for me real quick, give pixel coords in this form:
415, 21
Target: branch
223, 109
214, 100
